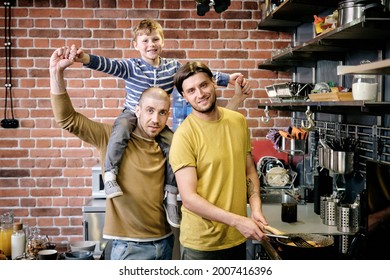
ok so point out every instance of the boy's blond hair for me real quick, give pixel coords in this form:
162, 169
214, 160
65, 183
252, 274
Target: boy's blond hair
147, 26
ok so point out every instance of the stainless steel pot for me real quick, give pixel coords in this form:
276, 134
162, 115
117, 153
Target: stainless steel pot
348, 11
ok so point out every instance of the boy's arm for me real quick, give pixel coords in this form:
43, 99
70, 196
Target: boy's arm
117, 68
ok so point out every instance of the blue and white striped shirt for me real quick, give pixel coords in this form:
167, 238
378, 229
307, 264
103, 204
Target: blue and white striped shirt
140, 75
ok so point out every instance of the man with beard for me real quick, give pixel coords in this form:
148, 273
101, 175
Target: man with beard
215, 172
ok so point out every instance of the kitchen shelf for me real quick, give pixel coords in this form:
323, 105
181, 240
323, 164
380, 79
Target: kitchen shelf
331, 107
291, 13
378, 68
361, 33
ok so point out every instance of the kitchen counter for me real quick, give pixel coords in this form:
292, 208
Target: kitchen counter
95, 205
307, 220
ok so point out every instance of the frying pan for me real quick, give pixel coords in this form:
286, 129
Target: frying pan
288, 250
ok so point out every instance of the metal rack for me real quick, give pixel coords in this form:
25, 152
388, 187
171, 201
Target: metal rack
374, 141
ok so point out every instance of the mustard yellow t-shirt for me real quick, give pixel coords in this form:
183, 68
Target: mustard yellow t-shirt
218, 150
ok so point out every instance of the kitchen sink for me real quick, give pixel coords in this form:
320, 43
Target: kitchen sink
277, 197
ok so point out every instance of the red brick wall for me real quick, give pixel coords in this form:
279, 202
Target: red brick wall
45, 173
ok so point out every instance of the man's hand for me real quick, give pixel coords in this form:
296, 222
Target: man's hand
241, 91
242, 88
233, 77
251, 230
62, 58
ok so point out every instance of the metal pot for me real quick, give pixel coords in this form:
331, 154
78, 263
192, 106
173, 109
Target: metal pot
348, 11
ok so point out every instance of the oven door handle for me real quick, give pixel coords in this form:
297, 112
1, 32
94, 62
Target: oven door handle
85, 224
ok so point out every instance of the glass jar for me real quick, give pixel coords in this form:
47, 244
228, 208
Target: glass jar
6, 229
365, 87
36, 242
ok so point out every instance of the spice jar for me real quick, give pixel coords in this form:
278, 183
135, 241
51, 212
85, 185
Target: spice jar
36, 242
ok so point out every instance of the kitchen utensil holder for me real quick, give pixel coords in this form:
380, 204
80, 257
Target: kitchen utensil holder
294, 146
344, 243
348, 218
330, 211
337, 161
323, 199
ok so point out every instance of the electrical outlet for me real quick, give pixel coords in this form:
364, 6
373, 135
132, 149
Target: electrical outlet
9, 123
11, 3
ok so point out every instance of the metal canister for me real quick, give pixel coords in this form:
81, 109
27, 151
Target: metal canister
348, 218
330, 211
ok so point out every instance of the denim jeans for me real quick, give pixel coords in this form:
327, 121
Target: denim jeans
123, 126
153, 250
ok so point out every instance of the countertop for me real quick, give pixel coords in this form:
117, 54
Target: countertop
307, 220
95, 205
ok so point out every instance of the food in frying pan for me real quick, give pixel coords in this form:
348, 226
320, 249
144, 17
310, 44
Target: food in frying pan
311, 242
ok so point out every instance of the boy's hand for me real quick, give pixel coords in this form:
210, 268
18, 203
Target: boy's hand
81, 56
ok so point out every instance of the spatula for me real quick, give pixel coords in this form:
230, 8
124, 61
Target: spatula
300, 242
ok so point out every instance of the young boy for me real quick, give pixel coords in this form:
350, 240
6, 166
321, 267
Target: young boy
150, 70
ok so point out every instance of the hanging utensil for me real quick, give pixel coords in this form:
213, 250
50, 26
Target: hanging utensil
311, 125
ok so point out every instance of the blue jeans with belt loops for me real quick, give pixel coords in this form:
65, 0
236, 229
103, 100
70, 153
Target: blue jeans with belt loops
153, 250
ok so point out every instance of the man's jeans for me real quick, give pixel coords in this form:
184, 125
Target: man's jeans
153, 250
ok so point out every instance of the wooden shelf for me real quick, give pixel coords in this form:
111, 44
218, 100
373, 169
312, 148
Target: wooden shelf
361, 33
331, 107
378, 68
291, 13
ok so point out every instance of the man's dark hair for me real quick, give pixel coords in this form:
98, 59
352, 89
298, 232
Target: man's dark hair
188, 70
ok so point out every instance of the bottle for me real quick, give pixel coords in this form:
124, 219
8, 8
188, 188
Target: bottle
18, 241
6, 222
181, 109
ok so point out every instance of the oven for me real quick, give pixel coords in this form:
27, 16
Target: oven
94, 213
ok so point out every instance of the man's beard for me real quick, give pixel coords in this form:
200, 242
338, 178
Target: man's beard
207, 110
